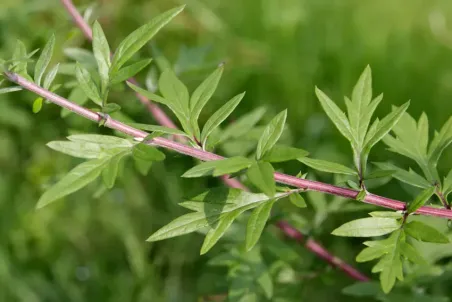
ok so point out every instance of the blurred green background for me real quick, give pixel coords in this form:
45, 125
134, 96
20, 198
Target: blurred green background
93, 248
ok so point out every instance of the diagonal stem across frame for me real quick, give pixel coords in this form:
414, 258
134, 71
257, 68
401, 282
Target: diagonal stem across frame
160, 116
208, 156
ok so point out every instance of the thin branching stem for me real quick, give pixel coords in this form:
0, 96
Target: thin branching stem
160, 116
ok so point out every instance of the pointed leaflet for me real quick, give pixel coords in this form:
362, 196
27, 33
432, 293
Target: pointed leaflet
44, 60
409, 177
420, 200
129, 71
76, 179
256, 223
10, 89
20, 59
174, 90
336, 115
243, 124
271, 134
218, 231
326, 166
137, 39
384, 126
101, 51
360, 108
202, 95
261, 175
87, 84
148, 153
104, 140
367, 227
110, 172
203, 169
51, 76
283, 153
227, 200
297, 200
440, 142
219, 116
423, 232
231, 165
77, 149
411, 253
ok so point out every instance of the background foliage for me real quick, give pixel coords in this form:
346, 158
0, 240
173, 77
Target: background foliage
92, 248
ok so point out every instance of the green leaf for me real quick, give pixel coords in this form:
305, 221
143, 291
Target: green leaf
423, 232
111, 108
77, 149
447, 184
20, 59
154, 128
411, 253
87, 84
203, 93
129, 71
50, 77
260, 174
243, 124
83, 56
219, 116
10, 89
256, 223
363, 289
174, 90
44, 60
440, 141
371, 253
421, 199
271, 134
387, 214
384, 126
37, 105
110, 172
138, 38
106, 141
203, 169
148, 153
283, 153
101, 51
327, 166
76, 179
211, 205
231, 165
218, 231
391, 271
142, 166
336, 115
380, 174
361, 107
297, 200
367, 227
410, 177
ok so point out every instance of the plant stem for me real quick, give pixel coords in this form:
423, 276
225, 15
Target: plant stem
208, 156
197, 153
160, 116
